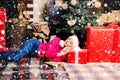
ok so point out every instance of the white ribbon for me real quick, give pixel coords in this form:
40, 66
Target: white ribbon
76, 56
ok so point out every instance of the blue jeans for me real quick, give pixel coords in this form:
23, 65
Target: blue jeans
29, 46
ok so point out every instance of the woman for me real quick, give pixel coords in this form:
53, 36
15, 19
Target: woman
54, 50
57, 49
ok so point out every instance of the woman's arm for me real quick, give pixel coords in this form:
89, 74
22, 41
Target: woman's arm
64, 51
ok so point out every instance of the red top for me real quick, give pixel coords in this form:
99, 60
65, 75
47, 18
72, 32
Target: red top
51, 49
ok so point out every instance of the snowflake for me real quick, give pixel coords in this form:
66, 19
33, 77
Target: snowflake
105, 5
108, 52
2, 31
113, 52
91, 43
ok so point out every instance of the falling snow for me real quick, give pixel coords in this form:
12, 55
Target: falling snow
102, 46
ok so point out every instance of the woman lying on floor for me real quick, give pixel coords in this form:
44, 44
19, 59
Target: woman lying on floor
54, 50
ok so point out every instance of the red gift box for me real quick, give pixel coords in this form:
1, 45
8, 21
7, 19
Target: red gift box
78, 57
2, 30
103, 44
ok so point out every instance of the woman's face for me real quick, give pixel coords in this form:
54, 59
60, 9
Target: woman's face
68, 42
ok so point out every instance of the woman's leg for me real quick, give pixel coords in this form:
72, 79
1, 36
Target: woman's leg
7, 55
29, 46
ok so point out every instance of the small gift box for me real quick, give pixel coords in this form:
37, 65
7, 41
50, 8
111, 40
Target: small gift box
77, 57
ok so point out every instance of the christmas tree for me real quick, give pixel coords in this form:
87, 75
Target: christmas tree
76, 17
73, 18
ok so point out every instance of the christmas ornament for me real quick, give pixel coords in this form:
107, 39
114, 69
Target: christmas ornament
73, 2
90, 4
65, 6
82, 18
94, 0
71, 22
97, 4
58, 2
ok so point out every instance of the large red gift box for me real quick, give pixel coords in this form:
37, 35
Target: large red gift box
77, 57
2, 30
103, 44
